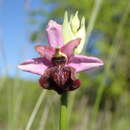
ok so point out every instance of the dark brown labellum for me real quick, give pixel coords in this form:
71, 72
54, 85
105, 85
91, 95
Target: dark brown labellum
59, 77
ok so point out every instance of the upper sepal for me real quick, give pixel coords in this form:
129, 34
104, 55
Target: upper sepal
54, 32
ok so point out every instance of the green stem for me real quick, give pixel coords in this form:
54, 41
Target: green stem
63, 112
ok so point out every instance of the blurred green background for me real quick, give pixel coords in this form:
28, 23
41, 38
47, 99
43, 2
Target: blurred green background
103, 101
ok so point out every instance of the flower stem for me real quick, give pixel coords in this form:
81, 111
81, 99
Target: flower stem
63, 124
35, 110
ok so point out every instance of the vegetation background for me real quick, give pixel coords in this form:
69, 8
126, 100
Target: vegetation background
103, 101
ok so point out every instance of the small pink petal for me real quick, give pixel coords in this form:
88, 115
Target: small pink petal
69, 47
35, 65
45, 51
84, 63
54, 32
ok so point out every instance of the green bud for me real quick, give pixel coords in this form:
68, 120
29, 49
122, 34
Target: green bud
75, 22
66, 29
74, 28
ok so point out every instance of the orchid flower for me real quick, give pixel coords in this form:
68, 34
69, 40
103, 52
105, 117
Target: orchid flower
58, 65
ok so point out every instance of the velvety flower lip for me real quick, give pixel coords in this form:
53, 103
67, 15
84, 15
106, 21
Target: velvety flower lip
60, 79
54, 32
